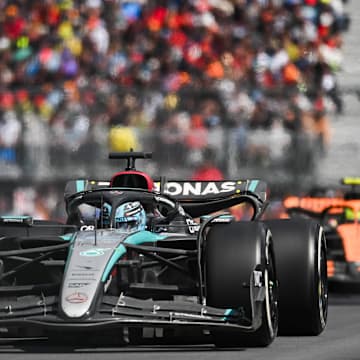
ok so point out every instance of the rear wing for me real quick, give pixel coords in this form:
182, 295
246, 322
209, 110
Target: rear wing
317, 205
193, 191
351, 180
186, 191
354, 183
314, 204
196, 197
204, 197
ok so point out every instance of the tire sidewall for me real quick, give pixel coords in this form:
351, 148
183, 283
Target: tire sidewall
298, 245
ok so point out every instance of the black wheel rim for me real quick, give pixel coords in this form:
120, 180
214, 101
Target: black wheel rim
273, 293
271, 284
323, 283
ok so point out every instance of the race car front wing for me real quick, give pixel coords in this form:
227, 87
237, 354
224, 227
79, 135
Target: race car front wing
123, 311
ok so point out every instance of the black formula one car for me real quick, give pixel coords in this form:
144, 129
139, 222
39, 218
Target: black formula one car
139, 260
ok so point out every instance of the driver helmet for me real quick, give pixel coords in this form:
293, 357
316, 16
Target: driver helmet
130, 217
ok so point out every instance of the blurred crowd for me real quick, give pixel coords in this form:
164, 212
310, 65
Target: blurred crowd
78, 75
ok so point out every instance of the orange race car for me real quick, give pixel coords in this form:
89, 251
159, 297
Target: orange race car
340, 218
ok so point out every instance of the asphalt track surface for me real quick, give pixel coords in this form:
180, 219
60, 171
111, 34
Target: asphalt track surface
340, 341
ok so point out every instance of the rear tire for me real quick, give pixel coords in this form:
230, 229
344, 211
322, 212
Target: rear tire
300, 249
232, 253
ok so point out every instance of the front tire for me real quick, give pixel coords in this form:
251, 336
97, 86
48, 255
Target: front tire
232, 254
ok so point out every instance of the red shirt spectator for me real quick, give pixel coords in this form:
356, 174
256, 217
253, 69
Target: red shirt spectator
13, 24
208, 171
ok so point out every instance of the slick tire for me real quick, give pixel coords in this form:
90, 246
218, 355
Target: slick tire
300, 250
232, 252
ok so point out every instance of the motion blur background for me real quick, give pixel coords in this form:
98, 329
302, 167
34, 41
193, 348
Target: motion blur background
215, 88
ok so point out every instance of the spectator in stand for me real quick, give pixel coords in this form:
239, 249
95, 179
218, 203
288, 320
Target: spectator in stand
171, 141
322, 130
207, 170
196, 138
249, 51
10, 130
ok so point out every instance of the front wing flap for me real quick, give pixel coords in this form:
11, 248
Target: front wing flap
40, 311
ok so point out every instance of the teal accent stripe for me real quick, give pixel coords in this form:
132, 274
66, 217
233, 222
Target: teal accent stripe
224, 216
71, 238
253, 185
137, 238
15, 217
80, 185
227, 314
68, 237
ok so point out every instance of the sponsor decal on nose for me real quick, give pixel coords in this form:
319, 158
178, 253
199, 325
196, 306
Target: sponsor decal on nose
77, 298
94, 252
